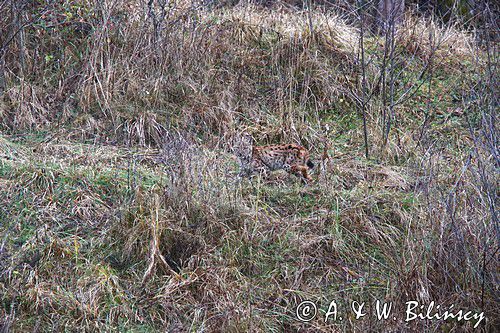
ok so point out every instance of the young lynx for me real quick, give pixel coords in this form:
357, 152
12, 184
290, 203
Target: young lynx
289, 157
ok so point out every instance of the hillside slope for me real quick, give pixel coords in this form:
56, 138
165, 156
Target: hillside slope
120, 205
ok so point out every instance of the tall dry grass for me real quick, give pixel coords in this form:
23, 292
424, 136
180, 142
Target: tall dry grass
128, 214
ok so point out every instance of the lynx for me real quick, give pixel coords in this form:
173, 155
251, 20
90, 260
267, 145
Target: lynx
292, 158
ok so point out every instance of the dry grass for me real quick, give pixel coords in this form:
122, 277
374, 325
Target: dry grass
120, 205
425, 38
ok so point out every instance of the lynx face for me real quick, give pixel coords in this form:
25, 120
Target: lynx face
289, 157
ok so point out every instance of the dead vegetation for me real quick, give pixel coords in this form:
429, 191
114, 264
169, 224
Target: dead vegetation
120, 208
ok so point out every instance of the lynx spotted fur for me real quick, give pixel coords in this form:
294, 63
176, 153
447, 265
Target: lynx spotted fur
290, 157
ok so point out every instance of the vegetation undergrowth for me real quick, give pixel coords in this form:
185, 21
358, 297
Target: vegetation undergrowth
121, 208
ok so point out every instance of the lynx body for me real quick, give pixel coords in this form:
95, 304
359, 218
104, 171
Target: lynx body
292, 158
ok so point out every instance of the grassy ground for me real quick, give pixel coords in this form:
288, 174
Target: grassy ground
120, 209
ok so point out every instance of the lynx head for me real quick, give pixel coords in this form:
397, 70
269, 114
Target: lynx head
243, 149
